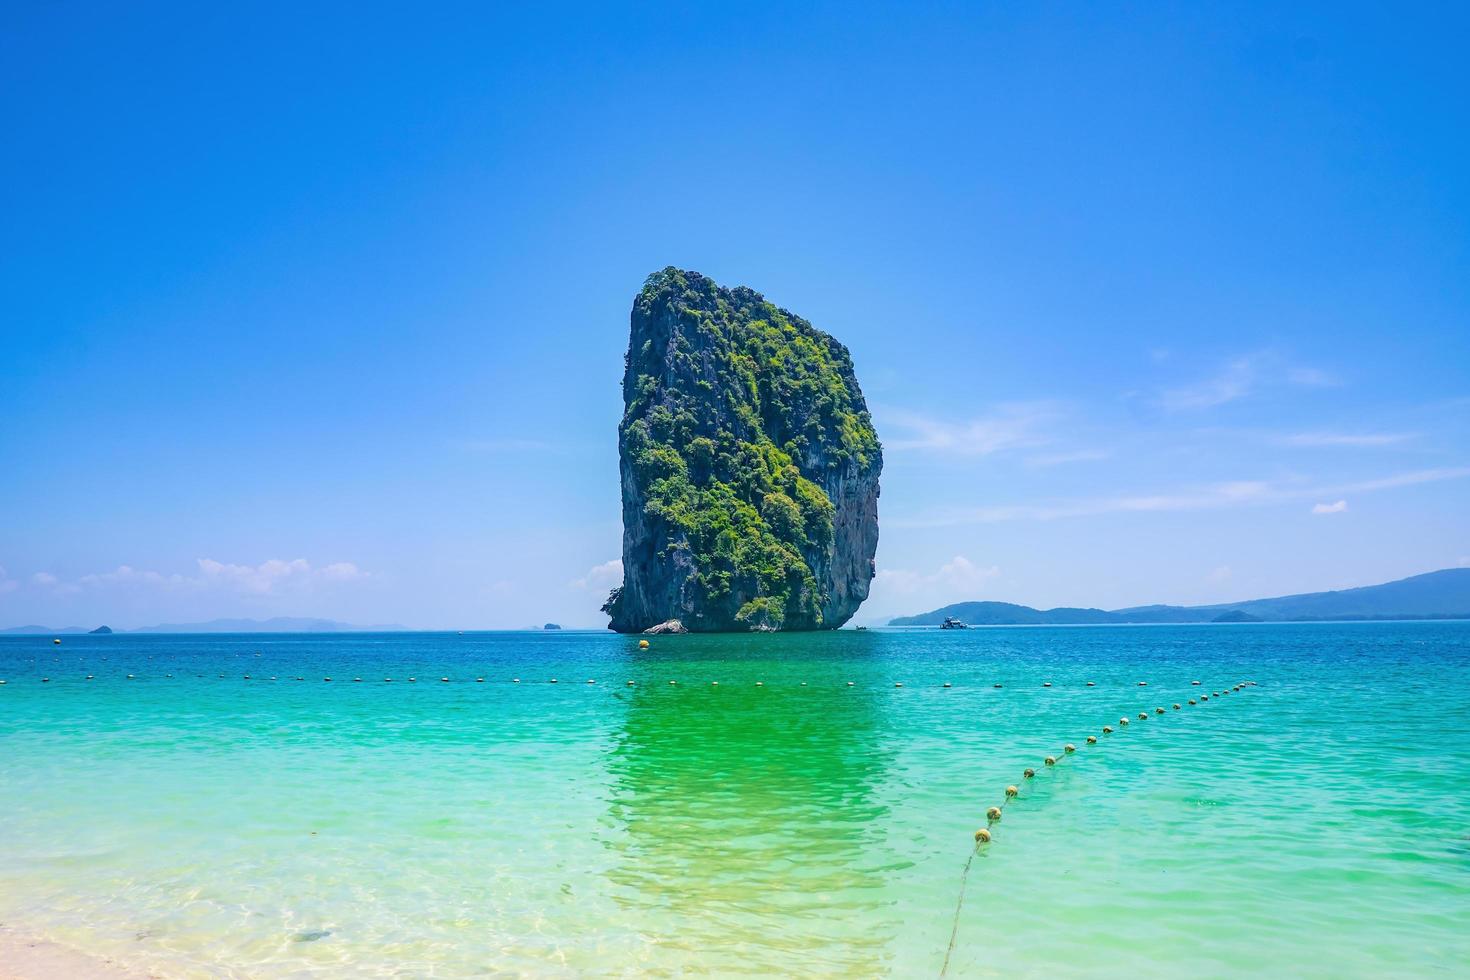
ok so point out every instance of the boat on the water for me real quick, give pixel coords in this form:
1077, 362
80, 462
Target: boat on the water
950, 623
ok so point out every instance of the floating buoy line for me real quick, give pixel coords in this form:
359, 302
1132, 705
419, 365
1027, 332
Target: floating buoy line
985, 835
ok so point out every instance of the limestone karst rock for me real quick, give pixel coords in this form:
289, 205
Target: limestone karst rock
749, 466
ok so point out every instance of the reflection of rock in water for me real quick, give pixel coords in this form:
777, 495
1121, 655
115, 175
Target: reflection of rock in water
748, 821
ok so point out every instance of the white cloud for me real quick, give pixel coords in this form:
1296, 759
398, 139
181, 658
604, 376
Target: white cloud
273, 575
1219, 574
1336, 508
1017, 425
1222, 495
44, 579
1364, 439
957, 573
600, 578
1464, 561
7, 584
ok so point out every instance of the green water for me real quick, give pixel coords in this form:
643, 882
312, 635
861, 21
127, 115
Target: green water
202, 826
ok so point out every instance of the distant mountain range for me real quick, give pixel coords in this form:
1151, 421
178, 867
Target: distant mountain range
1435, 595
280, 624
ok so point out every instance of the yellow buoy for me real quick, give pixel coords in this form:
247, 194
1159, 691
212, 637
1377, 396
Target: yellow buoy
1069, 747
1143, 716
1051, 760
1122, 721
57, 642
1193, 701
1195, 683
982, 836
993, 813
643, 644
1011, 791
1107, 729
1029, 773
1092, 740
898, 683
1176, 705
1046, 684
1158, 711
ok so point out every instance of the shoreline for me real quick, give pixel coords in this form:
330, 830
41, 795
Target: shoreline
28, 957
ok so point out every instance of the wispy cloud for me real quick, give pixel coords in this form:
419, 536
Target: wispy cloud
507, 445
1236, 493
1338, 508
1239, 377
1235, 380
600, 577
47, 582
1019, 425
270, 576
267, 578
1061, 459
1310, 377
7, 584
957, 573
1219, 574
1349, 439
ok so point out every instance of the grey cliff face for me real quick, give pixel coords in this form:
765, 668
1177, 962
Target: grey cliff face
749, 467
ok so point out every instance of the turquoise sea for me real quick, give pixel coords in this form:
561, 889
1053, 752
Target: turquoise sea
193, 822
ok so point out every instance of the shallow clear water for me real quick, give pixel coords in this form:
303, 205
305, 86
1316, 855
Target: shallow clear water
1315, 825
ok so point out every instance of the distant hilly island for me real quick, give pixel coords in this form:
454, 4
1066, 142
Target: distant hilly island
280, 624
1434, 595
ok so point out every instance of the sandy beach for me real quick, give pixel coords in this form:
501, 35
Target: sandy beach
25, 957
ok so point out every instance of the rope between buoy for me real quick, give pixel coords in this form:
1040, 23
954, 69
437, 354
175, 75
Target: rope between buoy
954, 930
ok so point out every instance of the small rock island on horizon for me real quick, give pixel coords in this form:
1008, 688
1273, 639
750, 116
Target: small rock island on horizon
749, 467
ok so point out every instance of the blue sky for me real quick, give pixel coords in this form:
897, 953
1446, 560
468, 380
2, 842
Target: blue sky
322, 311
